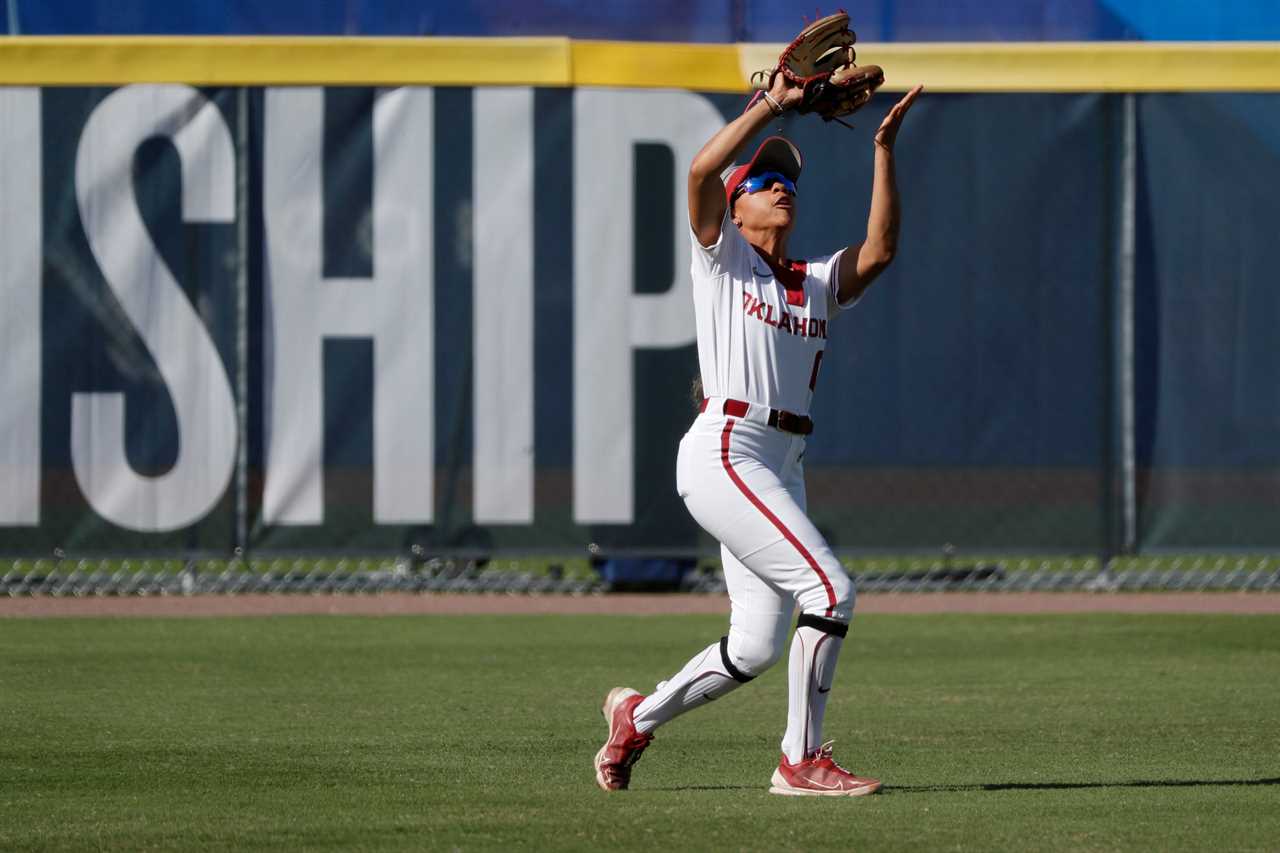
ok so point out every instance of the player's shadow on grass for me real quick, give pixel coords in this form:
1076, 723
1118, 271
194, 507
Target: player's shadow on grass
1017, 786
1068, 786
712, 788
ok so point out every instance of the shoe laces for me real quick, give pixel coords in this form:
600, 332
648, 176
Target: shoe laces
632, 745
635, 745
823, 756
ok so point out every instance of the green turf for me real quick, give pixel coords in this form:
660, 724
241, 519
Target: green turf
1098, 732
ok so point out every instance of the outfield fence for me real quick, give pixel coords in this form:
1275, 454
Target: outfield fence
452, 319
891, 574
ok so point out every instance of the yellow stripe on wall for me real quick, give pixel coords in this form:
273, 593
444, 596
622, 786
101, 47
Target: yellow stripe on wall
205, 61
942, 67
658, 65
1079, 66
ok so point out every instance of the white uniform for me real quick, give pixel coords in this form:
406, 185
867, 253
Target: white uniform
760, 342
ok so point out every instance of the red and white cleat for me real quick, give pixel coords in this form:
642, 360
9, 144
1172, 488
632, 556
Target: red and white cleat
819, 776
623, 748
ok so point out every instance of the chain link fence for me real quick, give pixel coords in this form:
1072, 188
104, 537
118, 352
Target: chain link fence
575, 576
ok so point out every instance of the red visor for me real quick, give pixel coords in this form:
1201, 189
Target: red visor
774, 154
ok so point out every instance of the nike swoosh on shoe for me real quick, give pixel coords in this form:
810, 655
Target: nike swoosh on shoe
815, 783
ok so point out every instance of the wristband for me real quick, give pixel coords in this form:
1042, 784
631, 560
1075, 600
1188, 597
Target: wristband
774, 106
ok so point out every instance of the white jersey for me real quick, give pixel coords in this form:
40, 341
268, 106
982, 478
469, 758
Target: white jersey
760, 339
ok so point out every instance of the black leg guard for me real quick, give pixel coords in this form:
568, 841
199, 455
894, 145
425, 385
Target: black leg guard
823, 624
737, 674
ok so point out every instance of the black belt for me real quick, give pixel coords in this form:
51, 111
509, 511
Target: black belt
778, 419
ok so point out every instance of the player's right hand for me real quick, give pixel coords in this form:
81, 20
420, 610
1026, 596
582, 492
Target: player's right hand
887, 133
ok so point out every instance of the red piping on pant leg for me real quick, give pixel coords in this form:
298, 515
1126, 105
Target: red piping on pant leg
777, 522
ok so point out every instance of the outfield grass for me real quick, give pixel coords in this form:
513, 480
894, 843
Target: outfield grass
1019, 733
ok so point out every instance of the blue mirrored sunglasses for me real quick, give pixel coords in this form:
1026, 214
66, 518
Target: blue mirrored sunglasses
764, 180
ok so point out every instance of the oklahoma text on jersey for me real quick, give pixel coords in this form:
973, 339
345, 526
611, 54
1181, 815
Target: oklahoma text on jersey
805, 327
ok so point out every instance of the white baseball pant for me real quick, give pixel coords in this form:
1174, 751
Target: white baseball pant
743, 481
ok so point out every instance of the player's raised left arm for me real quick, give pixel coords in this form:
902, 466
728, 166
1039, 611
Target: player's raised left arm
876, 252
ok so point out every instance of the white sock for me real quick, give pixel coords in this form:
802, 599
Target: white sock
811, 669
703, 679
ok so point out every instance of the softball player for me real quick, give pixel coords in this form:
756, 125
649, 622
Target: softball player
762, 322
